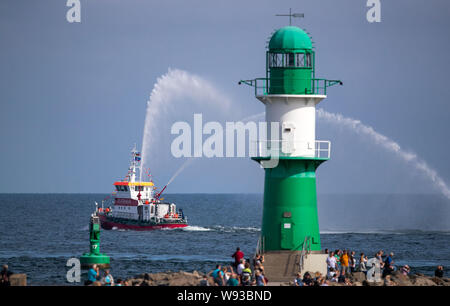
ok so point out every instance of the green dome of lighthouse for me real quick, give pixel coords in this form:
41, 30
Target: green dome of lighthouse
290, 38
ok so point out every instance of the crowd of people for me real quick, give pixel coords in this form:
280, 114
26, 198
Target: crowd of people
96, 279
240, 273
340, 265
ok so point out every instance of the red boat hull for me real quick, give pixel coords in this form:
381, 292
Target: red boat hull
108, 225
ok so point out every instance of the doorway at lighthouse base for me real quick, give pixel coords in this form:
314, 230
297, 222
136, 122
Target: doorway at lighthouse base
283, 266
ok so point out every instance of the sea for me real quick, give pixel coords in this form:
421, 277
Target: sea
39, 233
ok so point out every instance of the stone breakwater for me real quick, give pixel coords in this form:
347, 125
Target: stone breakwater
397, 279
183, 278
180, 278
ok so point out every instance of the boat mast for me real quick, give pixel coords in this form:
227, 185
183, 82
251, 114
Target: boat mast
135, 163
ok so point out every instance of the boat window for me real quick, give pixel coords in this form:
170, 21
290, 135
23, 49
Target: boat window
118, 188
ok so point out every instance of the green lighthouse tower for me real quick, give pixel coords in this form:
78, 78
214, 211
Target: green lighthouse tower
290, 92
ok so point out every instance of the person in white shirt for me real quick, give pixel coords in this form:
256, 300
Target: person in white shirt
331, 261
331, 273
241, 266
335, 278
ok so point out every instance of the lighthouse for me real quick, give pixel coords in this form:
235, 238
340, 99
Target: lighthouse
290, 92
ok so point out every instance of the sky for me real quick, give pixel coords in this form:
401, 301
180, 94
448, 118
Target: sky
73, 95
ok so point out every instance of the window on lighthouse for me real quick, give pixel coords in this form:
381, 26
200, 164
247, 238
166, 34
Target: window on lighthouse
308, 60
275, 60
290, 60
300, 59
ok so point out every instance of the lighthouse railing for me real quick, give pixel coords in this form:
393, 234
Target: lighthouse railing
267, 86
287, 148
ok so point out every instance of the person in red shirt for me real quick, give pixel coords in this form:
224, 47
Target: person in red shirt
238, 255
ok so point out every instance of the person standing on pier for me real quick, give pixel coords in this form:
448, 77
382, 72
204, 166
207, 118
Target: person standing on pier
439, 272
344, 263
331, 262
93, 275
108, 280
4, 277
388, 265
238, 255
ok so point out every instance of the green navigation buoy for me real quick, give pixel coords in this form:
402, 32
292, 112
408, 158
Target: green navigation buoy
94, 256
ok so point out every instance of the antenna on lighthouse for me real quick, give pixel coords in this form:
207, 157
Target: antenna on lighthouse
295, 15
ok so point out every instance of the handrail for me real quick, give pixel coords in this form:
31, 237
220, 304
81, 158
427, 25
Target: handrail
306, 248
259, 248
263, 87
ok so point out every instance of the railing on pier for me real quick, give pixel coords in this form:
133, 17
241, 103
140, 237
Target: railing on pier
260, 246
306, 249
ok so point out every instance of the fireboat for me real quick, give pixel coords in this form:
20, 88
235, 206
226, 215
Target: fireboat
137, 205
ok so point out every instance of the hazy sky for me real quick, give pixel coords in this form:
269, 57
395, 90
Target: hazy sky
73, 95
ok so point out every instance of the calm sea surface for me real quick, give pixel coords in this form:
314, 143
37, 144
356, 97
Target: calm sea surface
40, 232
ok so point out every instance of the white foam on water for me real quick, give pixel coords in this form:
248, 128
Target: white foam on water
220, 228
193, 228
341, 232
248, 229
232, 229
